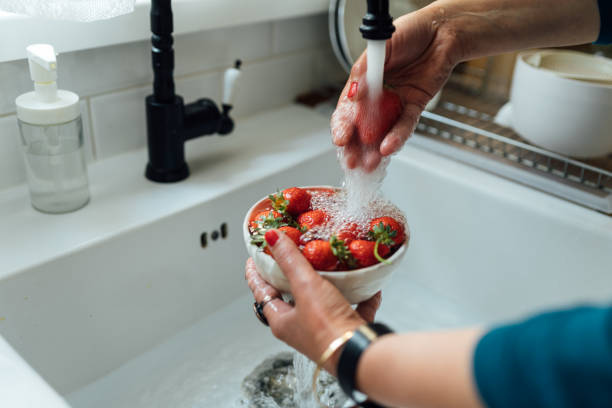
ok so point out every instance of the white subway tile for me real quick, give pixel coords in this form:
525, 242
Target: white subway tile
274, 82
214, 49
12, 167
327, 69
14, 80
105, 69
118, 121
299, 33
200, 86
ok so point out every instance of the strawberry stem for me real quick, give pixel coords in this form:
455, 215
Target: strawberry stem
377, 256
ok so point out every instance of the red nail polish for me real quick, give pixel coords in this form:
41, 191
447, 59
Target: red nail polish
271, 237
353, 89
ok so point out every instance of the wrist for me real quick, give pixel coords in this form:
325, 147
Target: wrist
450, 36
362, 339
331, 364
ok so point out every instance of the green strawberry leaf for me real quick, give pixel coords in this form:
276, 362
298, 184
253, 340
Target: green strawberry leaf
341, 251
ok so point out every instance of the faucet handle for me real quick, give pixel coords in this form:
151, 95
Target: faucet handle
230, 84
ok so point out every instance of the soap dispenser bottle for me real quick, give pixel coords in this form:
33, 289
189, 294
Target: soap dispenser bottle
52, 137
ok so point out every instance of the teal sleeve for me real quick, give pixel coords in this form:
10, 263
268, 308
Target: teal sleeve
558, 359
605, 17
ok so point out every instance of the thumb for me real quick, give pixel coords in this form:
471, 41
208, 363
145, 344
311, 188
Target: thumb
296, 268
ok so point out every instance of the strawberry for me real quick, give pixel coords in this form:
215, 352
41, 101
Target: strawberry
265, 218
305, 238
292, 200
320, 255
387, 230
341, 251
312, 218
292, 233
348, 233
364, 252
375, 118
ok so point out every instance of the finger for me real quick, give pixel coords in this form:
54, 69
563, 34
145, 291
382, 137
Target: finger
276, 311
257, 284
401, 131
360, 67
352, 154
296, 268
368, 309
342, 126
371, 160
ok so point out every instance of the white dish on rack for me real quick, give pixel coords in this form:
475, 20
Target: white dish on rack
566, 115
356, 285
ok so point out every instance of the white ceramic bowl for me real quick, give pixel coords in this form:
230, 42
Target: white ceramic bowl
568, 116
356, 285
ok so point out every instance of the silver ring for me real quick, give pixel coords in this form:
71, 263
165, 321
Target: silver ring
258, 308
267, 299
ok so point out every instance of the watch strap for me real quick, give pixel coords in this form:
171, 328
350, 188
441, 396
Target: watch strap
351, 354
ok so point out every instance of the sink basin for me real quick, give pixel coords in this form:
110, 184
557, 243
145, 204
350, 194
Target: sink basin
147, 312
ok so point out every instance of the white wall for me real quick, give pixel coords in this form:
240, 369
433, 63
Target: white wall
281, 59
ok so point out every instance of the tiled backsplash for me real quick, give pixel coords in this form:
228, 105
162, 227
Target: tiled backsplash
281, 59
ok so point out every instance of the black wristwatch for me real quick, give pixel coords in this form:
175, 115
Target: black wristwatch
350, 355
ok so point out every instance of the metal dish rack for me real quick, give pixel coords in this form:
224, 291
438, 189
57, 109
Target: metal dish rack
471, 136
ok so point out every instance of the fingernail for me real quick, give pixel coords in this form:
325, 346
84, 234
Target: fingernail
271, 237
353, 89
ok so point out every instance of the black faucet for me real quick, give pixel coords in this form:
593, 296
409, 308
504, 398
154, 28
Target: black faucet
377, 24
169, 121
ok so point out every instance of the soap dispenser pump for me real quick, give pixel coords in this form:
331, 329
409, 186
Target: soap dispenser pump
52, 137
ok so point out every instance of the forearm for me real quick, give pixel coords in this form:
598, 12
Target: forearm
488, 27
421, 369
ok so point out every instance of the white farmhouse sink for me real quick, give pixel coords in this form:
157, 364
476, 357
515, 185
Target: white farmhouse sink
118, 305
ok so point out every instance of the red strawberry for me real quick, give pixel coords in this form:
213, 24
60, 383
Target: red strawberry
375, 118
387, 230
363, 252
262, 216
299, 200
348, 233
312, 218
320, 255
305, 238
292, 233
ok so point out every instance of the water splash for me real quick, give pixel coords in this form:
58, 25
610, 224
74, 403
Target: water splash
355, 206
285, 381
376, 63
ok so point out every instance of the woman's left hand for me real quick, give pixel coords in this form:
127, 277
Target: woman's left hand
320, 314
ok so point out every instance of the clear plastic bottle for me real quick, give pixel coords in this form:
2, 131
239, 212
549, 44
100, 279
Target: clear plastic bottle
55, 164
52, 137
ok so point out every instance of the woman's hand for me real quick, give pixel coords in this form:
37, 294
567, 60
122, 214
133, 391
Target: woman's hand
320, 314
428, 43
420, 57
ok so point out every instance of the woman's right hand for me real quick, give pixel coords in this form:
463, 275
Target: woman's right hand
420, 57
